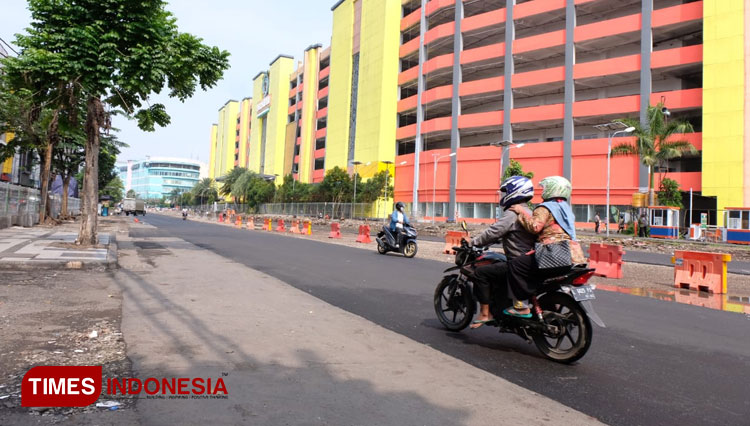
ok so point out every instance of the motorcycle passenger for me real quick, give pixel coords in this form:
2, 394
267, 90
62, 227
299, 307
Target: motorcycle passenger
552, 221
398, 219
516, 190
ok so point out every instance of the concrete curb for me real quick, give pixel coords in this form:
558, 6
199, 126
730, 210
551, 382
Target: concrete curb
28, 265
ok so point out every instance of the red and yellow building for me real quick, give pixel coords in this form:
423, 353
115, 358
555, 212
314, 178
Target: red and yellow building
426, 86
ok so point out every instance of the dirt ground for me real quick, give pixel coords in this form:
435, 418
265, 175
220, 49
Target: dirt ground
48, 318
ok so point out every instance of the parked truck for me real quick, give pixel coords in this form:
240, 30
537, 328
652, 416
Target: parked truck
133, 206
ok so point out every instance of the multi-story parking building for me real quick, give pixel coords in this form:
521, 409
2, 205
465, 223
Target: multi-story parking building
430, 85
157, 177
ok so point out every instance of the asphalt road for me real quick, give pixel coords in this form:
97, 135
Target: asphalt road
657, 362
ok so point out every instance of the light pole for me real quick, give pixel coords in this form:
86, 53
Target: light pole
354, 199
435, 159
614, 128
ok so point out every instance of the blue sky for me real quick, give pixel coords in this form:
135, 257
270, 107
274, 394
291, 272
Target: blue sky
253, 31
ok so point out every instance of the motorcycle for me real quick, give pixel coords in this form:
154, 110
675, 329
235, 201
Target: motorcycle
562, 312
386, 240
184, 215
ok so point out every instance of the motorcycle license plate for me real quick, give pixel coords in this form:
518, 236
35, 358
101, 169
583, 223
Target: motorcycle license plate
584, 292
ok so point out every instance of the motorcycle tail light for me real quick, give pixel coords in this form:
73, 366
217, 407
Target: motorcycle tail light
583, 278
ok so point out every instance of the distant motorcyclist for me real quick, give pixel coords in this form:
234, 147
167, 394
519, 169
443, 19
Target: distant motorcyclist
398, 219
184, 213
516, 190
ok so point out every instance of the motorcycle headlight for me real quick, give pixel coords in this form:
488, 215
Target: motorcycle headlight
461, 258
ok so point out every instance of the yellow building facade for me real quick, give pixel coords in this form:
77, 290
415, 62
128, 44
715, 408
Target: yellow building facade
224, 152
726, 125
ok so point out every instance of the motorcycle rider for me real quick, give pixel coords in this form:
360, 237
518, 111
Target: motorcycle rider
184, 212
552, 221
516, 190
398, 219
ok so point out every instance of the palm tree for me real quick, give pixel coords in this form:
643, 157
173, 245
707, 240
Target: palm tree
655, 144
205, 191
228, 180
174, 195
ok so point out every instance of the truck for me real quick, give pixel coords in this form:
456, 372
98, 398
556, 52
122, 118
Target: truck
133, 206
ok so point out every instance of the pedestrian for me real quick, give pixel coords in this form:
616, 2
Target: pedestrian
642, 225
597, 222
621, 224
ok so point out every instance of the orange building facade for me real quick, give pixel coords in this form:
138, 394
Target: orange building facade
541, 73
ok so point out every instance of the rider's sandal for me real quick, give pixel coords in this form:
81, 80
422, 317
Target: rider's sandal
478, 323
514, 313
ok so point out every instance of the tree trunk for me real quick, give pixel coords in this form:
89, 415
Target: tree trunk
45, 177
651, 186
52, 136
90, 197
64, 203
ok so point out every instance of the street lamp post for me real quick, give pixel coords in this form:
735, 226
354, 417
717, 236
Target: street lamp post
614, 128
354, 199
435, 159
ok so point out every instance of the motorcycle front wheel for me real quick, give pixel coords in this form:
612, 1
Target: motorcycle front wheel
568, 337
454, 304
410, 249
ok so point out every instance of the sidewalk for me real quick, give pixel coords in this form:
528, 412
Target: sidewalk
288, 357
49, 247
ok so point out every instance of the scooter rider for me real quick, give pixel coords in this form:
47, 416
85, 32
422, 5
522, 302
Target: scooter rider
516, 242
398, 219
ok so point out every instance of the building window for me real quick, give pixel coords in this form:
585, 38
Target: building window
319, 163
320, 143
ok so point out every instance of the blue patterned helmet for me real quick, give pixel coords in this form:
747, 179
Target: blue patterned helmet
516, 189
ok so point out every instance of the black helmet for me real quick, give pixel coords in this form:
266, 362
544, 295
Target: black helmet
399, 206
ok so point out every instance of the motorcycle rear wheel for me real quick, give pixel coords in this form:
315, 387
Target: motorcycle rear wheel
574, 340
381, 248
454, 304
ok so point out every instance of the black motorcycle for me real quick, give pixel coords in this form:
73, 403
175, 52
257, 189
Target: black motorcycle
561, 309
407, 245
184, 215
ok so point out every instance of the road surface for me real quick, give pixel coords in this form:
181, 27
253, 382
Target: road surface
657, 362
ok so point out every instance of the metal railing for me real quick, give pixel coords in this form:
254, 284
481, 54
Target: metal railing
20, 200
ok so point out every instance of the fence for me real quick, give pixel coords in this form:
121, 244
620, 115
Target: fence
19, 200
332, 210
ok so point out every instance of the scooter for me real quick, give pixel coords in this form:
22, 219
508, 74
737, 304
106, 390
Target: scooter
184, 215
560, 326
407, 246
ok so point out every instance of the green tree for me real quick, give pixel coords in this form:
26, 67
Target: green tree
228, 180
204, 191
131, 194
186, 198
114, 189
115, 53
251, 189
336, 186
669, 193
515, 169
374, 188
655, 143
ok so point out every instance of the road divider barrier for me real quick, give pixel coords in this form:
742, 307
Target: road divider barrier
364, 234
238, 222
701, 271
335, 230
308, 227
453, 239
221, 217
294, 229
268, 226
250, 223
280, 226
606, 260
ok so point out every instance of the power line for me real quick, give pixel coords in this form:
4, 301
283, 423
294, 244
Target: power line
9, 46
